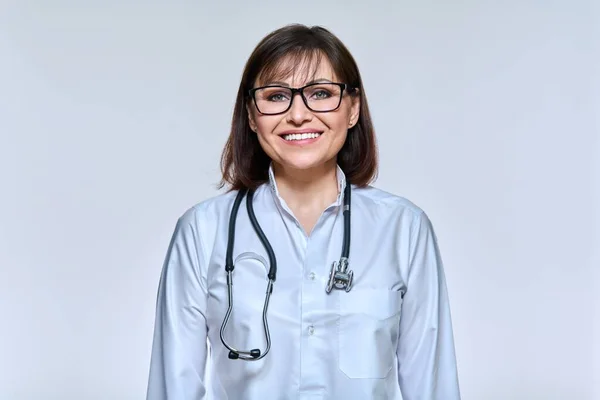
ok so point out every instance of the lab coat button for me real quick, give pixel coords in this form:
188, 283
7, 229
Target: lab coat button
312, 276
311, 330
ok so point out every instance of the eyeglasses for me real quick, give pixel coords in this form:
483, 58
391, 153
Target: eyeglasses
318, 97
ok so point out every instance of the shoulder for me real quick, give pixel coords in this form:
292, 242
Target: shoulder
403, 215
373, 197
382, 207
197, 226
207, 210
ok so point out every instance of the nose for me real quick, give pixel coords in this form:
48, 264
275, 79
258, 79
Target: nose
298, 112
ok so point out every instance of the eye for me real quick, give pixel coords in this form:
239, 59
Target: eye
273, 94
321, 94
322, 91
277, 97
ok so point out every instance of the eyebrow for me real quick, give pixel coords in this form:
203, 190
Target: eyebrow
279, 83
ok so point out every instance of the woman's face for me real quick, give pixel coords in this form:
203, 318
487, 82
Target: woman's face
324, 133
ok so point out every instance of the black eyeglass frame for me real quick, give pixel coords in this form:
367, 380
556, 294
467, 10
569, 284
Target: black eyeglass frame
343, 87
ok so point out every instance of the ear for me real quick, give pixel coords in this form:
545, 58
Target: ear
250, 112
354, 108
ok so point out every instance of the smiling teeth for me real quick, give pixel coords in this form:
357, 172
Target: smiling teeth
301, 136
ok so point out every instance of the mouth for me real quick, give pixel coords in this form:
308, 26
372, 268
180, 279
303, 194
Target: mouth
293, 137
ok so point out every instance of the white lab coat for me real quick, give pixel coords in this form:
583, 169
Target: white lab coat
390, 337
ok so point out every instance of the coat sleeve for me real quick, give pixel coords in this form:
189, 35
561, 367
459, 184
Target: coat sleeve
426, 356
179, 348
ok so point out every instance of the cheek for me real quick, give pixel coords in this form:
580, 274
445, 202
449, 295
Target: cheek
266, 124
341, 119
339, 128
339, 123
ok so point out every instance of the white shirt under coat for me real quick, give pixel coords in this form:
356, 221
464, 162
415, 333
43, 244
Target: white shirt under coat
390, 337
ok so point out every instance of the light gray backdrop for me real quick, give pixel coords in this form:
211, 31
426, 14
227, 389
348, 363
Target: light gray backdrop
113, 115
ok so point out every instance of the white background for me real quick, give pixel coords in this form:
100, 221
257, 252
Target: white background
113, 115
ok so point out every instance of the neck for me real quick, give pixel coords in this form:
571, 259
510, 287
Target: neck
307, 191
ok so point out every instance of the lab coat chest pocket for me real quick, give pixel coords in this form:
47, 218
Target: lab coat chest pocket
368, 332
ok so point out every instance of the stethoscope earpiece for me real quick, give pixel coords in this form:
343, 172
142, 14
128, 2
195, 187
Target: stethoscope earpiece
254, 353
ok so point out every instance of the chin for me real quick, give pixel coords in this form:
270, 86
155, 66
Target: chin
304, 163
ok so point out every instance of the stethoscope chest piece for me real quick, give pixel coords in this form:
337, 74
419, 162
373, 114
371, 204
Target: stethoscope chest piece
339, 277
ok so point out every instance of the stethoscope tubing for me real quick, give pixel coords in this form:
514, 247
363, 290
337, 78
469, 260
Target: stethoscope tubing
256, 354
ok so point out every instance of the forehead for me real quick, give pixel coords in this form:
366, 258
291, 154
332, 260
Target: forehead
297, 70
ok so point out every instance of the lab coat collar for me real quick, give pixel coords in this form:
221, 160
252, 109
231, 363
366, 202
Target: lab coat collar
341, 178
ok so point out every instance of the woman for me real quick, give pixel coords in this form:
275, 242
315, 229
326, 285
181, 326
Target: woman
378, 326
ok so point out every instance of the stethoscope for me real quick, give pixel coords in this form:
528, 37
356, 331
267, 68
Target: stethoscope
339, 278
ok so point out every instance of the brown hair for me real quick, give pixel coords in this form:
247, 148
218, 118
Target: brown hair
244, 164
